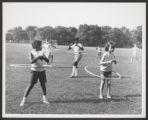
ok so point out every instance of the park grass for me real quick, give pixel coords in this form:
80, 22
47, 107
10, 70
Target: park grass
73, 95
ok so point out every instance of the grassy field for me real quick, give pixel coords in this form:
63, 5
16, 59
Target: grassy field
73, 95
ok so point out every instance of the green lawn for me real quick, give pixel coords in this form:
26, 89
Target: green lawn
73, 95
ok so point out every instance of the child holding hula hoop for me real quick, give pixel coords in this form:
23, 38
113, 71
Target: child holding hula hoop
37, 59
106, 62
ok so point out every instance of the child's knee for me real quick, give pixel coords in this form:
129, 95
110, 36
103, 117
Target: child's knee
102, 80
75, 64
42, 84
102, 77
109, 82
31, 84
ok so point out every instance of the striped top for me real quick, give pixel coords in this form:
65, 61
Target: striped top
105, 64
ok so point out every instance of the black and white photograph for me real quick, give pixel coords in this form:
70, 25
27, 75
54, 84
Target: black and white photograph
74, 60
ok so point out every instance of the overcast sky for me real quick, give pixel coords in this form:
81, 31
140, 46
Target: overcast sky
66, 14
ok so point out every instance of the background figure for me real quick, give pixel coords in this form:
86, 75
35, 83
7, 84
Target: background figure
134, 53
99, 53
77, 47
48, 50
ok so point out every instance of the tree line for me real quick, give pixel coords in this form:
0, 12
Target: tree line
89, 35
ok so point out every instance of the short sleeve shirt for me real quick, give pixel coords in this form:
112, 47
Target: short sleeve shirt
76, 48
107, 57
39, 64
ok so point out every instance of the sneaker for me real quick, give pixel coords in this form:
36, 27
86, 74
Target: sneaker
108, 96
101, 97
46, 101
22, 102
71, 76
75, 75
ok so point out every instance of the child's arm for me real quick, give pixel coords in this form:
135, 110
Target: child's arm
103, 62
80, 46
69, 48
54, 46
32, 59
45, 58
114, 60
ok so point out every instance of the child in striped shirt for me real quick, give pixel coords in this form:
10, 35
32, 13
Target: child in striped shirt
106, 62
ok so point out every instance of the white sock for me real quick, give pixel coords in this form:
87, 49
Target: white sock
24, 98
73, 70
44, 97
76, 72
23, 101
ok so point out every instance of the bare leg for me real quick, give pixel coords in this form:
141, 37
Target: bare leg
108, 88
29, 88
51, 58
76, 72
73, 71
101, 88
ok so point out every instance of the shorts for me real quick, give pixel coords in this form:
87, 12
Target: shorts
77, 57
106, 74
38, 75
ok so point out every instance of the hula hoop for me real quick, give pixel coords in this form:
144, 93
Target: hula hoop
29, 65
91, 73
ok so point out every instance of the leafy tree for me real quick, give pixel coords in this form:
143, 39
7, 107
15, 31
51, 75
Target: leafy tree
90, 35
16, 32
63, 35
106, 34
136, 36
31, 32
9, 35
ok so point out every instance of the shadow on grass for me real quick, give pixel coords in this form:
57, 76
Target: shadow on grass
97, 100
85, 77
100, 78
29, 104
125, 77
74, 78
85, 100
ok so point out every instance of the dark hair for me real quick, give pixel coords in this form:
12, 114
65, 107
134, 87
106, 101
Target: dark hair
77, 39
108, 45
36, 43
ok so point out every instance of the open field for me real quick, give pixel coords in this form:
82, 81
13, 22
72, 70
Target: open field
73, 95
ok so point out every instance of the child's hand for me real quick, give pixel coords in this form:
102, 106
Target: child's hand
109, 62
114, 61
